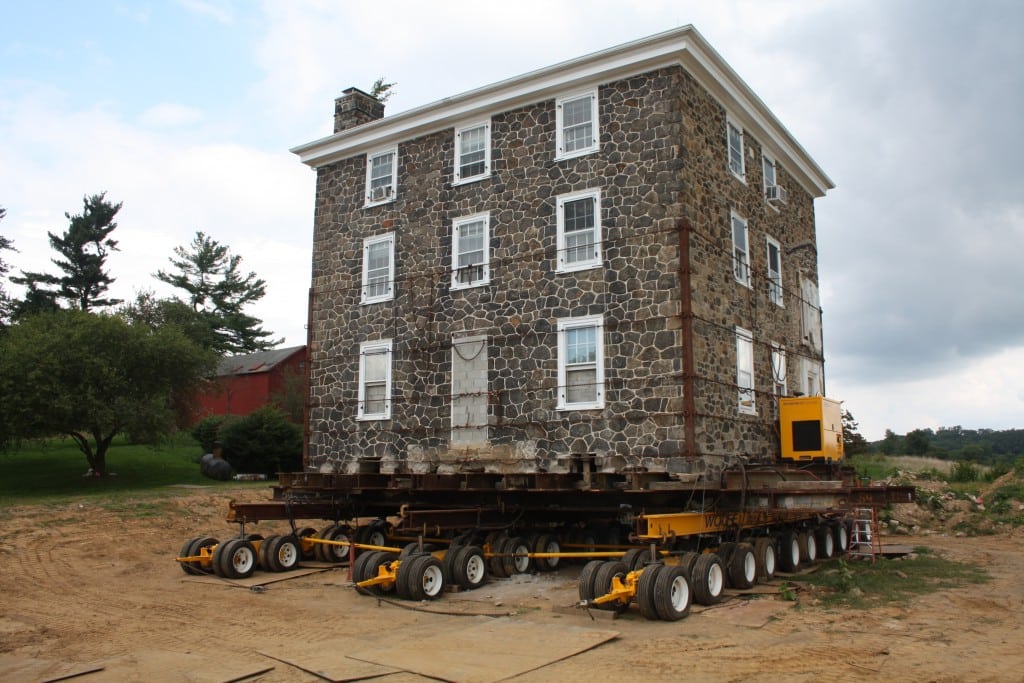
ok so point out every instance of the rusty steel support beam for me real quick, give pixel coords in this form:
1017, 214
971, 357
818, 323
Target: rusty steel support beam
686, 322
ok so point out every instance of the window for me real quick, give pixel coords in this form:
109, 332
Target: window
778, 370
745, 370
774, 272
768, 165
735, 135
470, 251
740, 250
576, 125
472, 152
579, 231
581, 363
381, 176
375, 380
378, 268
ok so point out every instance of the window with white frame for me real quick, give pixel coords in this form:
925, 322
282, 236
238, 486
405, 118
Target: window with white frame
470, 251
381, 176
778, 370
581, 363
375, 380
745, 370
379, 268
472, 152
579, 231
735, 139
740, 249
576, 125
770, 185
774, 271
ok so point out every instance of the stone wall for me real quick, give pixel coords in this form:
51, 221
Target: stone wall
662, 157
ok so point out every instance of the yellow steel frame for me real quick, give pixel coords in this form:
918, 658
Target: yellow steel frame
672, 525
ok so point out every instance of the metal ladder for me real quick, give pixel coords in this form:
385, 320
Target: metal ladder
865, 541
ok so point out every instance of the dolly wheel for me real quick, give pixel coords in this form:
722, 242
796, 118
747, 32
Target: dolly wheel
470, 567
425, 578
265, 554
547, 543
191, 568
707, 579
588, 576
645, 591
287, 552
235, 559
672, 594
603, 583
764, 556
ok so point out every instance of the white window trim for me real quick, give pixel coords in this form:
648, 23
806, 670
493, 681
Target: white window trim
560, 152
390, 293
459, 180
564, 325
733, 217
731, 123
779, 370
595, 261
381, 346
394, 176
486, 277
774, 288
746, 396
768, 160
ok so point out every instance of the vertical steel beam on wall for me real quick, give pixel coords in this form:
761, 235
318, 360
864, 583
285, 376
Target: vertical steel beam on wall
686, 325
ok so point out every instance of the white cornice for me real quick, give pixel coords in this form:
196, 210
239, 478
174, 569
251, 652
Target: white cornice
683, 46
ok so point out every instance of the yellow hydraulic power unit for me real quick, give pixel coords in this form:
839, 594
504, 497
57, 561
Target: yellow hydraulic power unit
811, 428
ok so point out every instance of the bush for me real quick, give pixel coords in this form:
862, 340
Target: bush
963, 471
263, 442
207, 431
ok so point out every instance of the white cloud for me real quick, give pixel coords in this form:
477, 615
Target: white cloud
218, 11
169, 114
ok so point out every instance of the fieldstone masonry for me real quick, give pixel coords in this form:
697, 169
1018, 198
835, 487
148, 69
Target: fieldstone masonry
487, 400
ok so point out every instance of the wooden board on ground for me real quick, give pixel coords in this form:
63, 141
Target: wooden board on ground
487, 650
329, 663
164, 665
749, 613
257, 579
14, 668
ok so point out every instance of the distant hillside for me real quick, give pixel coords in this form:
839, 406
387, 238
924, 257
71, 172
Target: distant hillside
987, 446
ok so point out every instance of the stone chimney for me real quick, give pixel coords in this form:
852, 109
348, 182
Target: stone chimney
355, 108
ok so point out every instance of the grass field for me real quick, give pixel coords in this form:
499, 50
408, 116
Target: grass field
53, 470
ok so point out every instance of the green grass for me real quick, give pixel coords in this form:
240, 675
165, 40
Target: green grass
52, 471
862, 584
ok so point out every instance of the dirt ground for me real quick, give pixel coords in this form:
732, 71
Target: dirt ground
84, 586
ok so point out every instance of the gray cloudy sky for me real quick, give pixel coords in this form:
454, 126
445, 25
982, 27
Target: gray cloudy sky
185, 112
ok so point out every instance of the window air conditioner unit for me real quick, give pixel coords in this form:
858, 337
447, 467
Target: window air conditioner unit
776, 194
380, 193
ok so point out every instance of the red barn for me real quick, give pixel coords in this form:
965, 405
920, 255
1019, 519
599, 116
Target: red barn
245, 383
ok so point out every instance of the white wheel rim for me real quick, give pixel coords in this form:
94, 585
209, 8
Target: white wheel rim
287, 555
843, 540
769, 559
812, 548
679, 595
340, 552
433, 580
242, 560
552, 547
828, 547
749, 567
716, 580
794, 551
521, 558
475, 569
376, 538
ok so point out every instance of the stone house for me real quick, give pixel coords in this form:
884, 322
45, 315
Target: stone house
608, 265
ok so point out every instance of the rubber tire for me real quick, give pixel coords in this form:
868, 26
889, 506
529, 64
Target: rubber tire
425, 578
286, 552
826, 542
670, 602
789, 551
402, 577
742, 567
519, 561
235, 559
359, 568
414, 549
687, 560
336, 554
645, 591
319, 549
808, 547
267, 563
725, 552
842, 536
585, 584
470, 567
603, 583
190, 568
707, 579
766, 558
547, 543
634, 558
448, 562
497, 563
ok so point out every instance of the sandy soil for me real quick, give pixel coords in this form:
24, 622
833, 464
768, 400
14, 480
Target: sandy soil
82, 584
